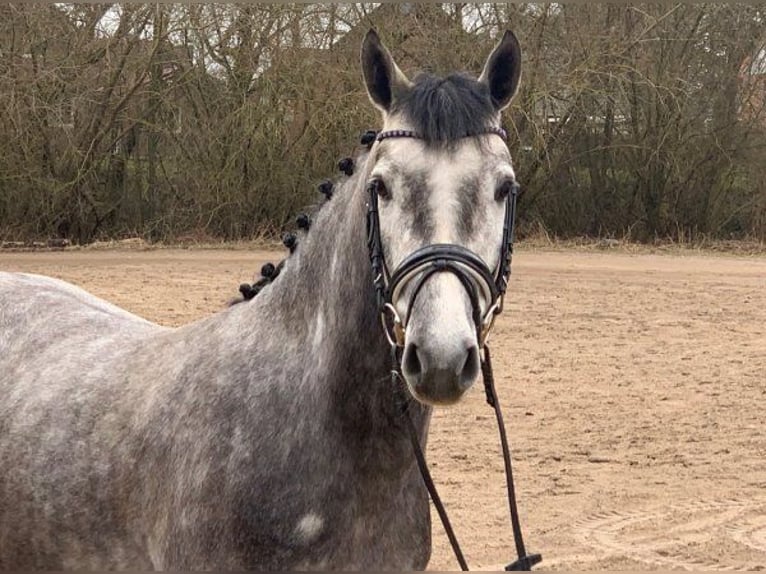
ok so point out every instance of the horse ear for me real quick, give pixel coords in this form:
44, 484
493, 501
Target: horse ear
382, 76
502, 71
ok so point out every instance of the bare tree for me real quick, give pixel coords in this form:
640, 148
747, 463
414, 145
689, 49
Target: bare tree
643, 121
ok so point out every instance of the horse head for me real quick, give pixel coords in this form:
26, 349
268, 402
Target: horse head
440, 179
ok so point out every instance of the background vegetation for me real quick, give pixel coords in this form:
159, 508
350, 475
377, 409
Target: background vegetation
163, 121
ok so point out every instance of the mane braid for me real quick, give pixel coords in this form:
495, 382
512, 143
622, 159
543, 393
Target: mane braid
444, 110
343, 186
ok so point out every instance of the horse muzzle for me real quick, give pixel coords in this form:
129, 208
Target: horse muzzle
437, 374
439, 364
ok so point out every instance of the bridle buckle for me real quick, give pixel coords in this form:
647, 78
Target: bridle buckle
394, 333
488, 322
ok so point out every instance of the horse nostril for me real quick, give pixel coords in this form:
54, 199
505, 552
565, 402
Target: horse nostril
411, 362
471, 367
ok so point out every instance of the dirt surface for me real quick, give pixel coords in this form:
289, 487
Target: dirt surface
634, 388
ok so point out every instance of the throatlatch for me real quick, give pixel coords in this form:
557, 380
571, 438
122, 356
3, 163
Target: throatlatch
480, 284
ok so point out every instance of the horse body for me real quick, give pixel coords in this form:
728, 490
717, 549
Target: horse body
261, 437
267, 436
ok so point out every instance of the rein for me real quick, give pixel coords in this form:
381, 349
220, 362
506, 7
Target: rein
480, 283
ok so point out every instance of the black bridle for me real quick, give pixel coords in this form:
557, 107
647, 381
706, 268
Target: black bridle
467, 266
481, 284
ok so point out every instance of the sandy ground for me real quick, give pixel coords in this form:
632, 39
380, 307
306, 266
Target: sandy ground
634, 389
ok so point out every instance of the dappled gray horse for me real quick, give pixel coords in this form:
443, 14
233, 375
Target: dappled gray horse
264, 436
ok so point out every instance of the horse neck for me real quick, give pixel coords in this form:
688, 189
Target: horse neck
325, 297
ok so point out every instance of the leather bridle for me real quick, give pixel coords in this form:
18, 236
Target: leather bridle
481, 284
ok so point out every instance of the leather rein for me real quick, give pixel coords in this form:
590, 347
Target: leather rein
481, 284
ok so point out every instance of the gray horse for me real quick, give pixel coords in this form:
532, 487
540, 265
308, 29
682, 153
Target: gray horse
264, 436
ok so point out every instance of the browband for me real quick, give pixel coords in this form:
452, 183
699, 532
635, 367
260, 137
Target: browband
493, 130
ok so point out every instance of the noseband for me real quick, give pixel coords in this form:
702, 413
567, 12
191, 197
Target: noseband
481, 283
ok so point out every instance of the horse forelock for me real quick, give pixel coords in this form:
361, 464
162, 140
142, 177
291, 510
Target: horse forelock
445, 110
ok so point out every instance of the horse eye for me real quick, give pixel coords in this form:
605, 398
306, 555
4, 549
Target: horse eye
505, 189
378, 187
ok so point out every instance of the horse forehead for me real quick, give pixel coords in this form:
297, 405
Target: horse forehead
432, 171
412, 151
466, 157
450, 174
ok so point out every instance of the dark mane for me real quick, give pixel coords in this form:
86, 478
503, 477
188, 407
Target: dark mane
443, 110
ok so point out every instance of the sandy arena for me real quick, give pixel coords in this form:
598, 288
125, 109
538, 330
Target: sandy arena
634, 388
